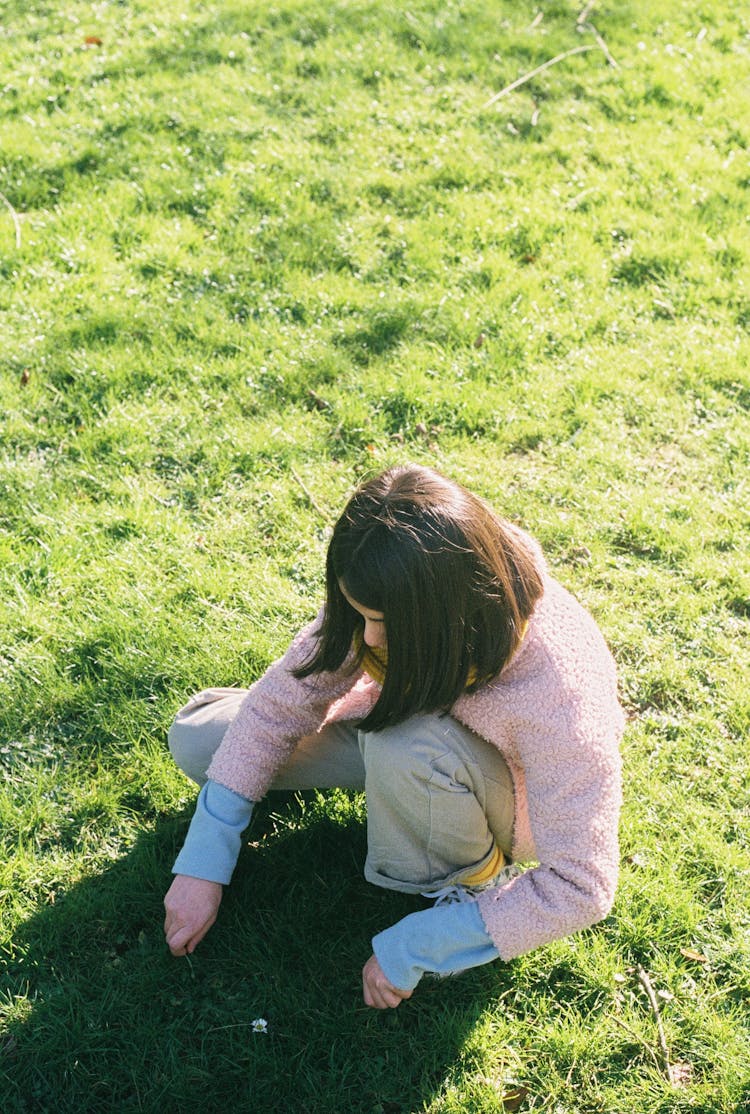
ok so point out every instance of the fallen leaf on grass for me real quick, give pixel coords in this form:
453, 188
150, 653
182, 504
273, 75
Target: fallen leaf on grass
318, 402
637, 859
681, 1073
690, 953
93, 40
512, 1099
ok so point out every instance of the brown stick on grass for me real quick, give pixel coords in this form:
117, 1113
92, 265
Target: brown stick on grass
16, 221
532, 73
645, 982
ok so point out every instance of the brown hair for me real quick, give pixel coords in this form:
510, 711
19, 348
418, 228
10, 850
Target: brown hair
454, 581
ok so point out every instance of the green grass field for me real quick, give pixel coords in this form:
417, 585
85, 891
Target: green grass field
249, 254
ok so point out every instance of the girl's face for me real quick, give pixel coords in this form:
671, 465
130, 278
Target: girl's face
374, 632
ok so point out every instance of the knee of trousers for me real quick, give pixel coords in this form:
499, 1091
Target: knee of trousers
199, 727
408, 752
188, 746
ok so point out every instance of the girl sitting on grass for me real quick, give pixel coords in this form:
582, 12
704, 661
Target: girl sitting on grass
451, 678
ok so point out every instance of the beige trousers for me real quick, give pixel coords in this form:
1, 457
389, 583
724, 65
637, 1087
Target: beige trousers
438, 796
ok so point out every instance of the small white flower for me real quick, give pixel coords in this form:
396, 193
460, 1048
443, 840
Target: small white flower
260, 1025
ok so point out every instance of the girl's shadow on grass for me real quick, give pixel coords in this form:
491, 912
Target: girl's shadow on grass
104, 1019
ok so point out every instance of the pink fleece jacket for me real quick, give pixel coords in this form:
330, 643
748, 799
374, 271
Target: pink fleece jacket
553, 713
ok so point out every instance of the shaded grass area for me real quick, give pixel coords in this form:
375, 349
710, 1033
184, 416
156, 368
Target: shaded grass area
114, 1023
139, 1030
267, 250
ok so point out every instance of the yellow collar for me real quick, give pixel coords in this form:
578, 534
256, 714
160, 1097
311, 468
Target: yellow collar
375, 659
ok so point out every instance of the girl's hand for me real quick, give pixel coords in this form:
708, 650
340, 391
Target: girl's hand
192, 905
378, 991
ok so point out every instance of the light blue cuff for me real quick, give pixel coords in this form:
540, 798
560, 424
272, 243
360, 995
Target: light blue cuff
214, 837
445, 940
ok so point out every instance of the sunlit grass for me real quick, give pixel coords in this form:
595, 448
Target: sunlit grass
269, 249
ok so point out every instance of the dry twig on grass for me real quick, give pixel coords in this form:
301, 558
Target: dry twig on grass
16, 221
600, 41
532, 73
582, 25
636, 1037
313, 504
645, 982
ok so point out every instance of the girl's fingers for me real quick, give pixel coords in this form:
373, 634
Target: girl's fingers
378, 992
178, 941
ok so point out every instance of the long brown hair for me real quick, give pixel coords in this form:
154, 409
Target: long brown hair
454, 581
